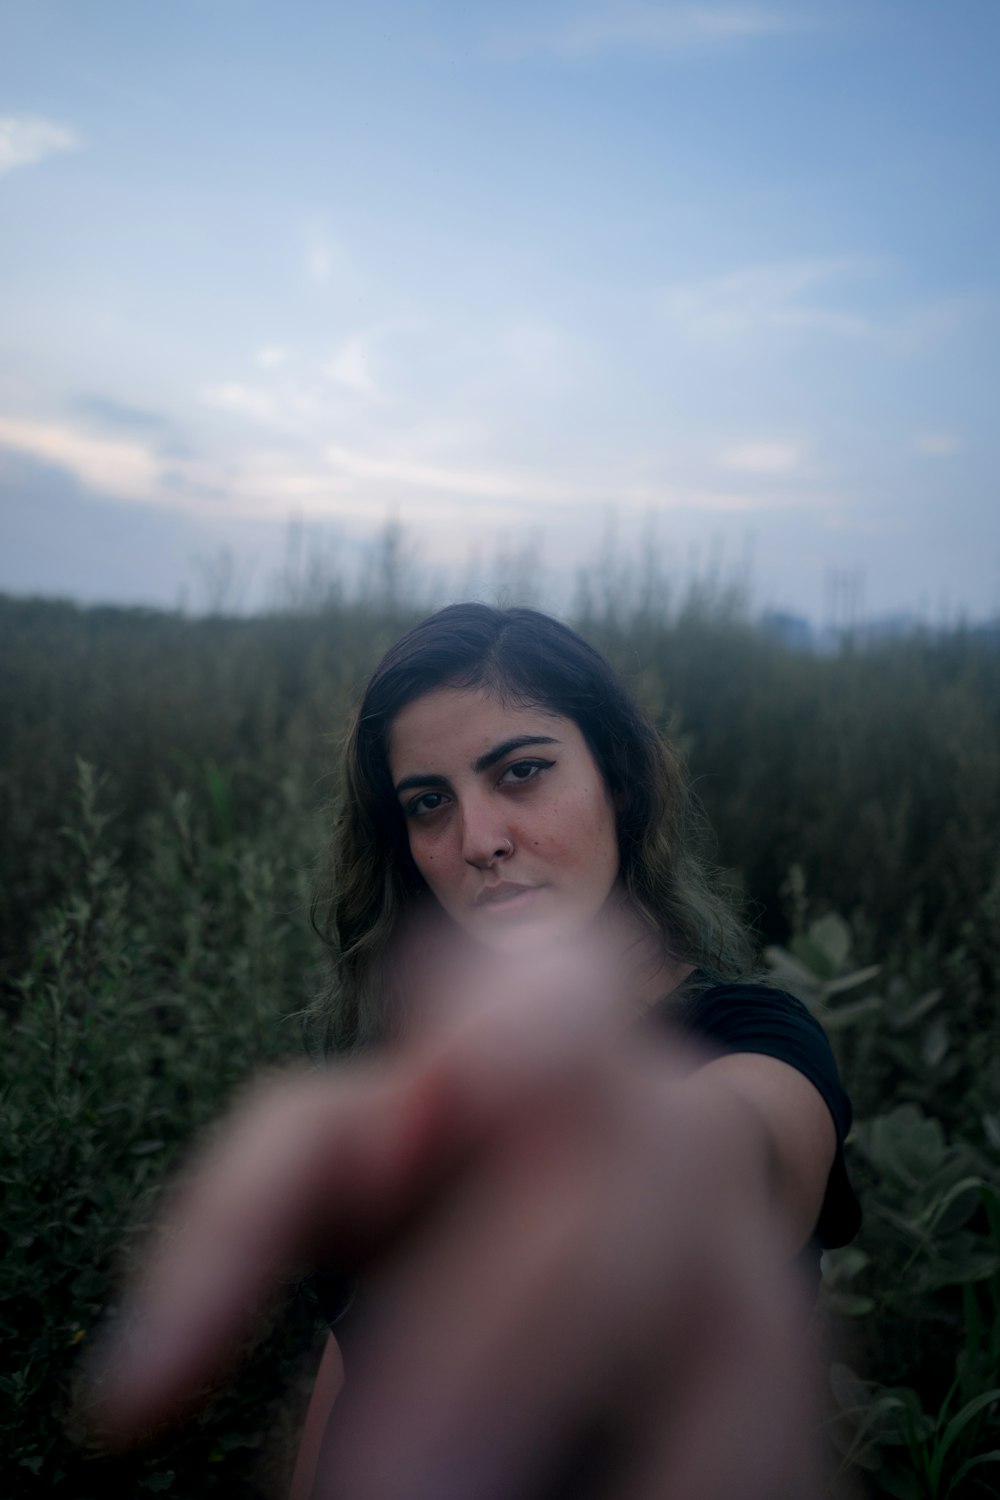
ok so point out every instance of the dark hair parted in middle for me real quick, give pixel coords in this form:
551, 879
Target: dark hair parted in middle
521, 657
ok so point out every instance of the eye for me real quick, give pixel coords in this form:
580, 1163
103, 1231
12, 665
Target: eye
425, 804
524, 770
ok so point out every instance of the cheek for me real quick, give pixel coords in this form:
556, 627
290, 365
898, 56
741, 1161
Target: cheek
436, 862
581, 837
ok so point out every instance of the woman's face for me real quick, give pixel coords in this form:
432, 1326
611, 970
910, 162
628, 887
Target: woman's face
509, 820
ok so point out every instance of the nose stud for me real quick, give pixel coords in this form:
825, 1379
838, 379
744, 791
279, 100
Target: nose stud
504, 850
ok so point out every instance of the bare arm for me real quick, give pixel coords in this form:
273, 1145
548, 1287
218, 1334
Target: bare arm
799, 1134
798, 1146
570, 1227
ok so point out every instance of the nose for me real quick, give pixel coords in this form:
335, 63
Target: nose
485, 840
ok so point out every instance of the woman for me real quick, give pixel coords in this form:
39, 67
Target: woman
573, 1228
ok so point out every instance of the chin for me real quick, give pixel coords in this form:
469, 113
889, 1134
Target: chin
528, 937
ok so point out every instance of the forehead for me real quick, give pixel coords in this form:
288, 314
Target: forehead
452, 727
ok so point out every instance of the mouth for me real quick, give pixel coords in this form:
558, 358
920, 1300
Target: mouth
506, 896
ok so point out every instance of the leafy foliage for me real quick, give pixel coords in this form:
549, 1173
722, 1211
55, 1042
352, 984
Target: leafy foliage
922, 1282
161, 791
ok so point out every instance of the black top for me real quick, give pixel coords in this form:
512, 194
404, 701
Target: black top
731, 1018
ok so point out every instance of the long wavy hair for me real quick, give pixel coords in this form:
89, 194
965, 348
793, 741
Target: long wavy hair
370, 887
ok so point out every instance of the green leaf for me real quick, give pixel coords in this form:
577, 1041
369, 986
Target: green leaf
956, 1426
874, 1415
849, 1390
905, 1144
832, 937
848, 1015
851, 981
936, 1043
993, 1457
965, 1192
842, 1265
900, 1020
791, 972
847, 1304
902, 1484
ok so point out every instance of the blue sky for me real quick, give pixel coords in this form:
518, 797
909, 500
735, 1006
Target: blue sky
534, 281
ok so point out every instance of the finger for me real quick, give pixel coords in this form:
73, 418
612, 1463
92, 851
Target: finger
320, 1164
307, 1166
313, 1165
304, 1164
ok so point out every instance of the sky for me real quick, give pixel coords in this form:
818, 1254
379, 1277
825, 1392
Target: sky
544, 286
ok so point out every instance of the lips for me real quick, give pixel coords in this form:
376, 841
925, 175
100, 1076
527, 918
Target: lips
504, 894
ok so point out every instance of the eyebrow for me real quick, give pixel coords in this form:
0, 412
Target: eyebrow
483, 763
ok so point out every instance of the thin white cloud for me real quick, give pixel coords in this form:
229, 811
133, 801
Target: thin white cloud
413, 473
805, 297
448, 488
319, 263
762, 458
26, 139
245, 401
938, 444
652, 28
352, 366
785, 294
270, 356
294, 408
327, 263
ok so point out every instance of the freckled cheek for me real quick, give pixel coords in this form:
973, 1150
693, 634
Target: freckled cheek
576, 835
438, 865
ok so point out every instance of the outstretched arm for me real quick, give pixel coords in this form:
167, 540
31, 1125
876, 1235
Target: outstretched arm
566, 1233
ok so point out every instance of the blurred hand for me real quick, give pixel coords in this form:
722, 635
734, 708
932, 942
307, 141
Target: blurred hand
575, 1272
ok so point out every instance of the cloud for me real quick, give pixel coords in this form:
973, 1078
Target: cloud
127, 470
245, 401
938, 444
413, 473
663, 29
319, 263
762, 458
806, 297
784, 294
26, 139
119, 415
362, 361
335, 480
351, 366
270, 356
447, 481
327, 263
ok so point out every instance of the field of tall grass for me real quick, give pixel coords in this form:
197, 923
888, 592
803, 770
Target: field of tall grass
163, 789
